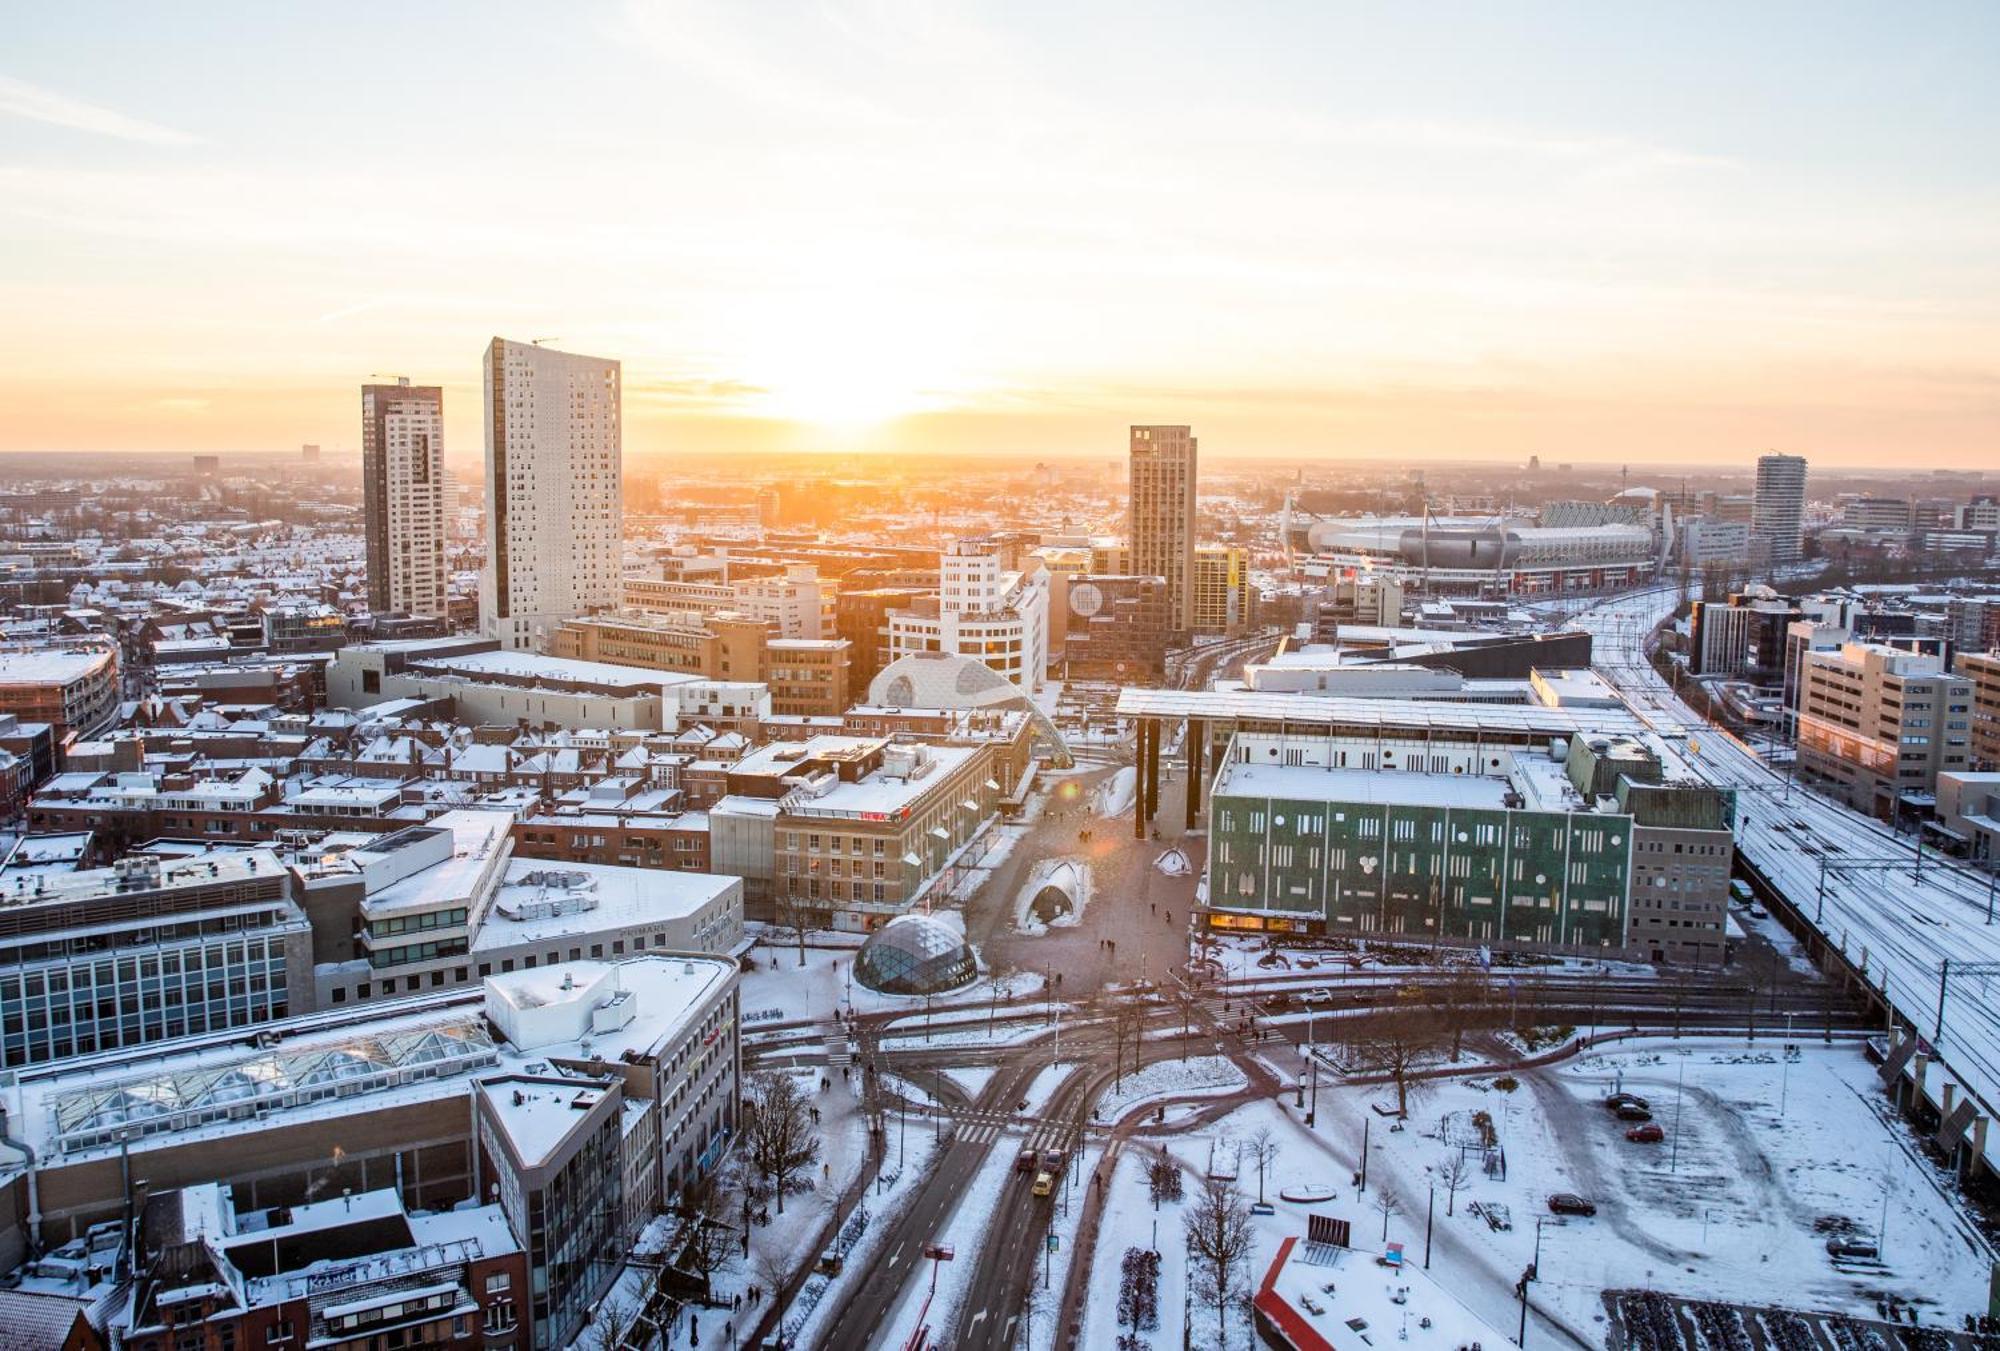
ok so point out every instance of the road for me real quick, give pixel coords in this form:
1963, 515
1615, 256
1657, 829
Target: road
1898, 926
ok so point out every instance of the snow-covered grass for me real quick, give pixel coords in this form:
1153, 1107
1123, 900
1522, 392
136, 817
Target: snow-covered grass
1736, 1210
780, 986
1129, 1222
1208, 1075
1735, 1215
1044, 1085
971, 1079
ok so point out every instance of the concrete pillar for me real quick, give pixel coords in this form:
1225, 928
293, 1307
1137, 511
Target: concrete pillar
1139, 758
1920, 1065
1977, 1135
1950, 1092
1197, 751
1153, 772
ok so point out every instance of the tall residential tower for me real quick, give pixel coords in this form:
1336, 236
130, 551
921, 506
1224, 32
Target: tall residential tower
1778, 516
1159, 523
402, 478
554, 503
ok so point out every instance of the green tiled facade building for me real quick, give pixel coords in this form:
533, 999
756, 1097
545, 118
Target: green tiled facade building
1395, 853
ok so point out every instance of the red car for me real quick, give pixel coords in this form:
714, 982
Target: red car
1648, 1134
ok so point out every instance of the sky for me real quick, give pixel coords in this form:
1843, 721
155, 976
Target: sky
1643, 232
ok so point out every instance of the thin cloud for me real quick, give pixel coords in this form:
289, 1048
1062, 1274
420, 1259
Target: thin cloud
21, 99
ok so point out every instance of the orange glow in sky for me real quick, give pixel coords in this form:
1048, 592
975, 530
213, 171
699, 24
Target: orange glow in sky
1587, 232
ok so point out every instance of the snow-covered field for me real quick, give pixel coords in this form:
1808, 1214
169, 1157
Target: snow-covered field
1208, 1075
1739, 1210
1739, 1213
780, 990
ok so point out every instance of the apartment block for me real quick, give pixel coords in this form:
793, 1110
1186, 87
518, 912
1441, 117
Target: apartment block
1877, 725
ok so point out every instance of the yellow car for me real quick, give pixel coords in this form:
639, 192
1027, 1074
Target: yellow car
1044, 1183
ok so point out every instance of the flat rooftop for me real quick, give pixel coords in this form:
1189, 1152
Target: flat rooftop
541, 900
50, 666
1318, 1295
331, 1064
1440, 717
534, 668
211, 869
1311, 783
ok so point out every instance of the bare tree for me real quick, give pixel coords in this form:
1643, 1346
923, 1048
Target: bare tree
1128, 1021
1389, 1204
797, 914
609, 1323
1264, 1153
1218, 1240
707, 1241
1398, 1043
1463, 997
778, 1135
1453, 1172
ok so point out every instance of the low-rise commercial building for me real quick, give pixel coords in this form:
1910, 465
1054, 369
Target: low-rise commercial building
351, 1272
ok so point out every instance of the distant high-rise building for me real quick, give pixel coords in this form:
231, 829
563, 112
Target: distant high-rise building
1778, 517
403, 496
1160, 513
554, 506
309, 453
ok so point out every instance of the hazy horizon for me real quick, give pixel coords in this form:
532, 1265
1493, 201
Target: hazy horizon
1642, 235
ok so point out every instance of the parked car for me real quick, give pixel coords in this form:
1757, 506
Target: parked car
1569, 1203
1632, 1111
1850, 1247
1648, 1134
1617, 1100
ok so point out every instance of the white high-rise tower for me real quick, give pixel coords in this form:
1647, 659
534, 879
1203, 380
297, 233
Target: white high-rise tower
403, 490
554, 500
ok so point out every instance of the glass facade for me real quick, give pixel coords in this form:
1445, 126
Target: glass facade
186, 984
915, 954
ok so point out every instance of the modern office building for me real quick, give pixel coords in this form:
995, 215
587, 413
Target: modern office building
1115, 628
1981, 670
1464, 842
1894, 515
1223, 601
554, 504
861, 616
997, 617
1877, 725
148, 950
403, 497
1777, 520
1160, 514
